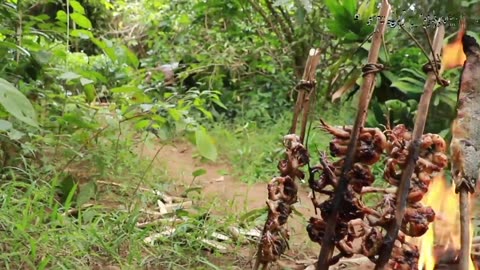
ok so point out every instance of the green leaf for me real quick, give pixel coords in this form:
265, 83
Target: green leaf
205, 144
69, 76
87, 192
75, 119
219, 103
90, 92
17, 104
124, 89
85, 81
109, 51
10, 45
131, 57
175, 114
252, 215
77, 7
184, 19
15, 135
205, 112
199, 172
81, 20
81, 33
61, 16
142, 124
5, 125
395, 104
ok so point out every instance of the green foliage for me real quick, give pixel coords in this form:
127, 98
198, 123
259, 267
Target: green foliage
205, 144
345, 23
16, 104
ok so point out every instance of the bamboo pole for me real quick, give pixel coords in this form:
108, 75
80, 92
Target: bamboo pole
413, 152
326, 251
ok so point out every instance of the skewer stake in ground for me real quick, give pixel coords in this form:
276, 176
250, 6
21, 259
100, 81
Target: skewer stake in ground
369, 71
282, 190
465, 145
413, 152
306, 93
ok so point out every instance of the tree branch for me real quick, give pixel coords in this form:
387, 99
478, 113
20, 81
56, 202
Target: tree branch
280, 21
267, 19
288, 19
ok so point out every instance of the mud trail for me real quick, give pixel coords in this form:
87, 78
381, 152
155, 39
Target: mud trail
236, 196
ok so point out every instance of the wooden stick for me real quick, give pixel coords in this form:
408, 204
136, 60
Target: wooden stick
326, 251
464, 257
413, 153
309, 78
307, 88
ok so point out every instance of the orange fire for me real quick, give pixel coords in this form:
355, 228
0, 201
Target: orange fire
453, 55
445, 230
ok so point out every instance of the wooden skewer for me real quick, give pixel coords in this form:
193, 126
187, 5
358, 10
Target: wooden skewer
326, 251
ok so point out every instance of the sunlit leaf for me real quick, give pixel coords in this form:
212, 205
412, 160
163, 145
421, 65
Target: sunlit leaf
124, 89
205, 144
81, 33
90, 92
5, 125
17, 104
61, 16
77, 7
199, 172
81, 20
85, 81
69, 76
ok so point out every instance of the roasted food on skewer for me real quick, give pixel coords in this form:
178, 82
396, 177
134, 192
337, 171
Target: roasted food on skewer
360, 229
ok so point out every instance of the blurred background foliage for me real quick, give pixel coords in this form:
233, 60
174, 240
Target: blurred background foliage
178, 66
250, 53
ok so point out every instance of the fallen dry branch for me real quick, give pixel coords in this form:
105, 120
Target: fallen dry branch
165, 197
155, 222
74, 211
369, 70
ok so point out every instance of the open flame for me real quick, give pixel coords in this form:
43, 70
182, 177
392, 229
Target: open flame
453, 55
444, 232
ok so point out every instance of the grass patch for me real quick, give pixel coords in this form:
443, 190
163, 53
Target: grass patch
38, 232
254, 149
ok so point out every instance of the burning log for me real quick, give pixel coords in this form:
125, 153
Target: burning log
465, 145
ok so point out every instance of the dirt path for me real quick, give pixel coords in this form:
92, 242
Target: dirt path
234, 194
